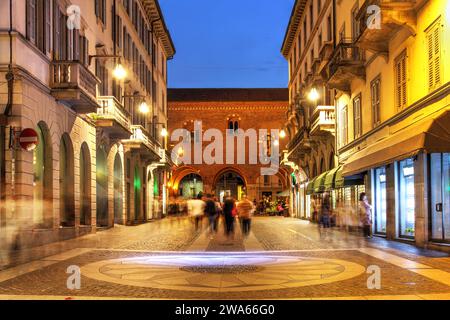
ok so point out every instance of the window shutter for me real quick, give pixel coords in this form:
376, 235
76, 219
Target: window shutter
430, 61
31, 20
403, 90
56, 32
76, 45
437, 56
433, 39
48, 26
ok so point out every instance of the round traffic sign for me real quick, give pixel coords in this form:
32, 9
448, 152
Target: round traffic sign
28, 139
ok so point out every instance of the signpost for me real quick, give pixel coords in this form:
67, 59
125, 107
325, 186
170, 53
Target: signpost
28, 139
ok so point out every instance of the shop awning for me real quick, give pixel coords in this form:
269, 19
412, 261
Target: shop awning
431, 135
341, 182
319, 183
330, 179
284, 193
310, 187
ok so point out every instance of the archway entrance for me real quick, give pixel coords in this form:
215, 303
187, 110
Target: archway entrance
230, 182
137, 193
66, 183
102, 188
190, 186
85, 186
42, 179
118, 190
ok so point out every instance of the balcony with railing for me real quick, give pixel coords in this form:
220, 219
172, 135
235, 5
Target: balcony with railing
74, 85
112, 118
323, 121
143, 142
347, 62
300, 144
377, 29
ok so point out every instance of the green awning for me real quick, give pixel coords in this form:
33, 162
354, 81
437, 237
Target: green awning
341, 182
310, 187
330, 179
319, 183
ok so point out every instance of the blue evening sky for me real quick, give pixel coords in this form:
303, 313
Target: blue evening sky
227, 43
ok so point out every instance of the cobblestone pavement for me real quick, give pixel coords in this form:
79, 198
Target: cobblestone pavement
281, 259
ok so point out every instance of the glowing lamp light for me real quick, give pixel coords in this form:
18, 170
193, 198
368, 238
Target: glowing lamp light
164, 132
282, 134
276, 143
313, 95
143, 108
180, 152
119, 72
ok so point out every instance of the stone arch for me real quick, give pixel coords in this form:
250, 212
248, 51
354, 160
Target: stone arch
179, 174
229, 169
43, 178
66, 182
85, 185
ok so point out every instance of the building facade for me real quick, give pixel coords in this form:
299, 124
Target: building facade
90, 78
391, 95
311, 117
199, 110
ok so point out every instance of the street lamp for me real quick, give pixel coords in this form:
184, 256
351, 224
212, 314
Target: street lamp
313, 95
119, 72
282, 134
164, 132
144, 108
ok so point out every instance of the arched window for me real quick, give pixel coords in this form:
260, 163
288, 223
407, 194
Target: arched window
102, 187
331, 162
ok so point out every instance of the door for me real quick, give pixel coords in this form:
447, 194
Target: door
440, 196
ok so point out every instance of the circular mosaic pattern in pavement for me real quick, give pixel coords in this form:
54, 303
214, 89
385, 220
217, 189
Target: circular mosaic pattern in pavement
221, 273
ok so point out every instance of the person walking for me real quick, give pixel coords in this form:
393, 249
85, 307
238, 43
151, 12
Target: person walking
229, 213
219, 214
326, 211
314, 210
211, 213
196, 210
366, 215
245, 210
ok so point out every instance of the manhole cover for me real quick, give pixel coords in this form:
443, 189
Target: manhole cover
222, 269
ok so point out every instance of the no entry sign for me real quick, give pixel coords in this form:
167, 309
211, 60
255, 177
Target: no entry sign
28, 139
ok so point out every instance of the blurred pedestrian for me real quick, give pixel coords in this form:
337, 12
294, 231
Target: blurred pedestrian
314, 210
219, 213
245, 210
211, 213
196, 210
229, 213
326, 211
366, 215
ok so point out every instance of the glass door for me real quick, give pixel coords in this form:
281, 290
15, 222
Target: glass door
406, 199
380, 200
440, 196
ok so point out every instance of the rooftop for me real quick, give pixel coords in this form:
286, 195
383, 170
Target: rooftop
263, 94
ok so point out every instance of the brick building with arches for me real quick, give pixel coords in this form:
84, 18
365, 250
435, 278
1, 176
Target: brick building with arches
226, 109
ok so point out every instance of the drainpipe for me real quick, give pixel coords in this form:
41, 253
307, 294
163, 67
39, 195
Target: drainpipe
4, 117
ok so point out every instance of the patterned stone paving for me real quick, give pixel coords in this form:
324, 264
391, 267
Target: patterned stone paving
317, 266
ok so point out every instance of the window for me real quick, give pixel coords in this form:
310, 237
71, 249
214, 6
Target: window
440, 196
355, 22
434, 55
100, 10
406, 198
357, 116
343, 134
38, 20
329, 28
400, 81
380, 200
266, 180
375, 91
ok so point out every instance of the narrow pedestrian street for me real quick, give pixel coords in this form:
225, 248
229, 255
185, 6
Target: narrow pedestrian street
282, 258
